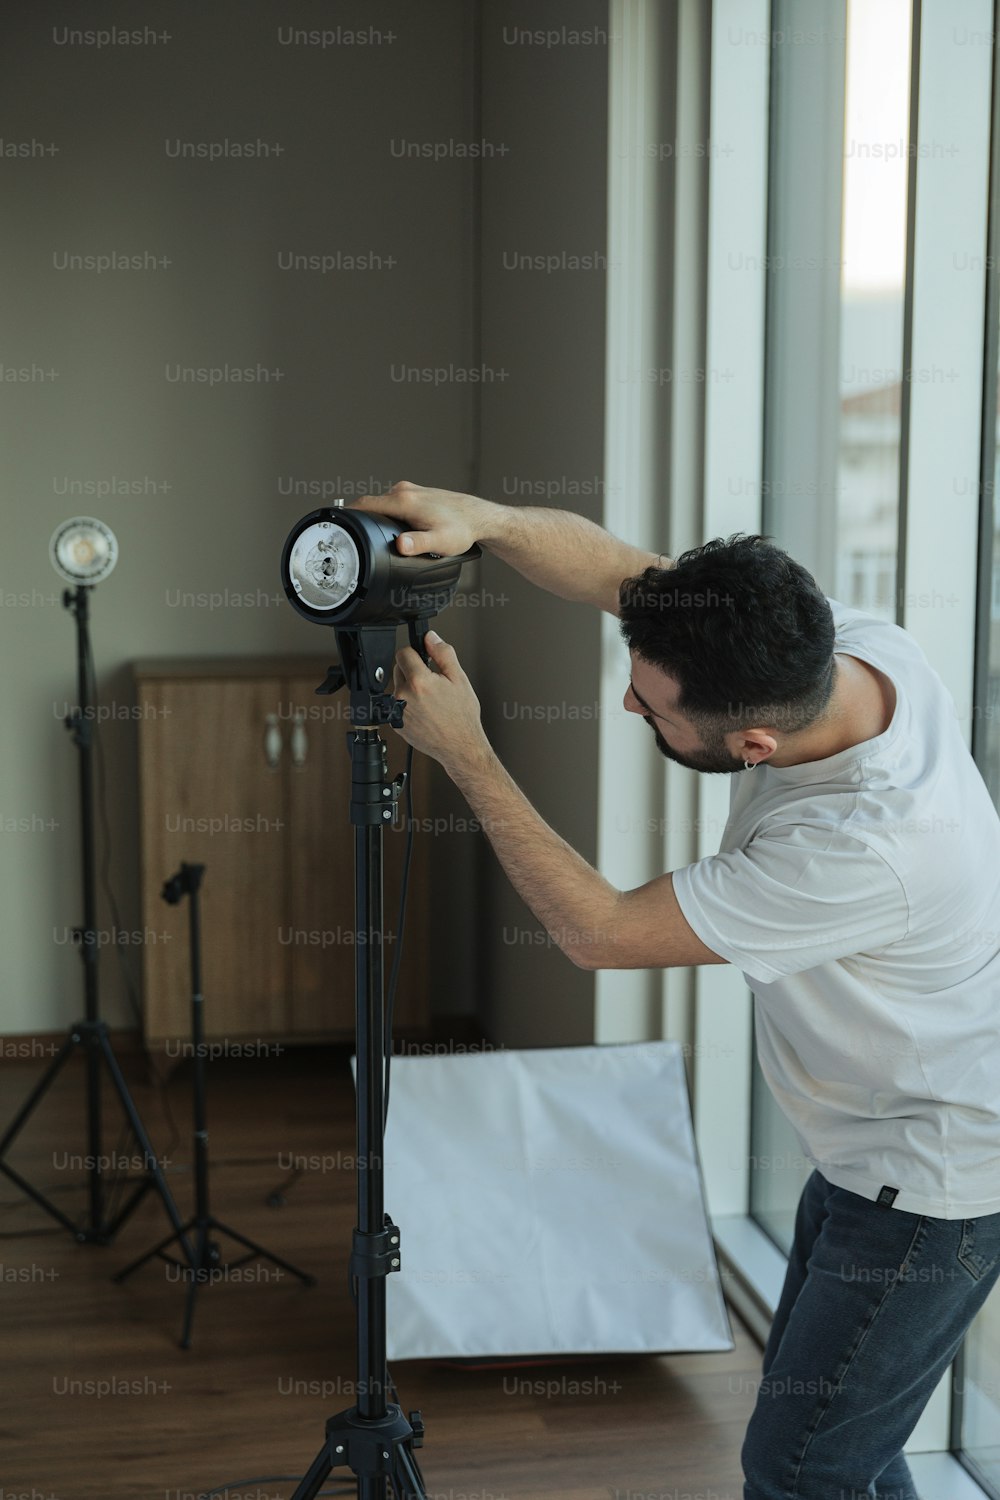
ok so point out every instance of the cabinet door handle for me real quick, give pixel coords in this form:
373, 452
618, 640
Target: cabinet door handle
272, 742
300, 742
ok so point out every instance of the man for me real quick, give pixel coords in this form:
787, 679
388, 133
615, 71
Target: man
857, 887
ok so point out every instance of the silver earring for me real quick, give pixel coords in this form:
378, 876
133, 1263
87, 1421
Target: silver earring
749, 764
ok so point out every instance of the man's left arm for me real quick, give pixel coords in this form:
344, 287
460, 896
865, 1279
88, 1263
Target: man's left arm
596, 925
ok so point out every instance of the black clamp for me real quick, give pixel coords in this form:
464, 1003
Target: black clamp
393, 792
387, 802
78, 726
375, 1254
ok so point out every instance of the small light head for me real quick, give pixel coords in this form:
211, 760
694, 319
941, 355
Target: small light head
83, 550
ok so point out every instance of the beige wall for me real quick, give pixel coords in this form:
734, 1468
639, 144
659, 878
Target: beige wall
214, 465
543, 427
211, 462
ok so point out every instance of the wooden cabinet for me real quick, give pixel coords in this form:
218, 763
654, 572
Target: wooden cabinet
243, 769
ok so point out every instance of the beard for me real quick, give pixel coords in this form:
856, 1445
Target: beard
703, 760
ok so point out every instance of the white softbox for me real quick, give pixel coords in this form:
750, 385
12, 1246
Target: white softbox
550, 1202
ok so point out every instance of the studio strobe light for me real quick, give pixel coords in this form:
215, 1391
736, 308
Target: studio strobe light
340, 568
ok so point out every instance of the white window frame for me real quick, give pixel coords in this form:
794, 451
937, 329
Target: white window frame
719, 434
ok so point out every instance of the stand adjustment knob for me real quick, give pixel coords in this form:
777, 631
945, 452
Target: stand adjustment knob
376, 1254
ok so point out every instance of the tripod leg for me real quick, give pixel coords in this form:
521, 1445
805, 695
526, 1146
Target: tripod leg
200, 1266
95, 1184
189, 1312
312, 1481
139, 1131
36, 1093
251, 1245
407, 1480
47, 1078
132, 1203
40, 1199
149, 1254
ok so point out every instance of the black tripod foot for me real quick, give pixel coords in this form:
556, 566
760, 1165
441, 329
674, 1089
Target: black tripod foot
377, 1449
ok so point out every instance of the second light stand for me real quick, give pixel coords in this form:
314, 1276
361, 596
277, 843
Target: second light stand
90, 1035
203, 1262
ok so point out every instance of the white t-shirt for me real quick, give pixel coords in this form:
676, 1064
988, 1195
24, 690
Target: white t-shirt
860, 895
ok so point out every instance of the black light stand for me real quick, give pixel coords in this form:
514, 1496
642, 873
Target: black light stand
373, 1438
90, 1034
341, 567
205, 1264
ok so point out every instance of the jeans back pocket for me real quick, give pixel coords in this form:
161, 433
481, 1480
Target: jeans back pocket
979, 1246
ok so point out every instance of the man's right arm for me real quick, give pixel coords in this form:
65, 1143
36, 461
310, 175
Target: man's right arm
555, 549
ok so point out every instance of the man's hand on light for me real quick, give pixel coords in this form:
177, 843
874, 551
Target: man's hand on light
442, 715
443, 521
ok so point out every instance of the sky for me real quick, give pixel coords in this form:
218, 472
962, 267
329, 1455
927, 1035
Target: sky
875, 132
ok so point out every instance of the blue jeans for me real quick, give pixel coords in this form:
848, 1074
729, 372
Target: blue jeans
873, 1309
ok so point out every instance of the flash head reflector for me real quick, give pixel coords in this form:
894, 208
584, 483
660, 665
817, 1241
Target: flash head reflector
83, 550
325, 566
340, 567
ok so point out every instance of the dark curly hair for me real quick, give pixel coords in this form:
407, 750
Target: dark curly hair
745, 630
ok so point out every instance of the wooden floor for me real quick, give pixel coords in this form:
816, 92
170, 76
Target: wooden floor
231, 1411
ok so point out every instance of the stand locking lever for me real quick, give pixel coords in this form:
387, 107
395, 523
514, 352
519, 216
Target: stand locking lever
376, 1254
